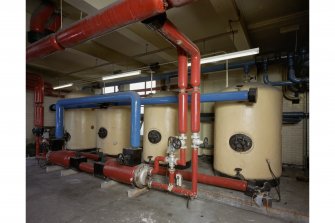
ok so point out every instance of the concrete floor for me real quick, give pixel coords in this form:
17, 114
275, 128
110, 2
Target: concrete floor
79, 198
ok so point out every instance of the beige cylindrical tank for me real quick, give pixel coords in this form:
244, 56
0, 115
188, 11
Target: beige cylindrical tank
161, 122
80, 124
113, 129
248, 134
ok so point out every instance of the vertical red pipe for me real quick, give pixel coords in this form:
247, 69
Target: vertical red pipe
195, 108
171, 177
169, 31
38, 111
182, 157
182, 68
156, 164
195, 171
182, 112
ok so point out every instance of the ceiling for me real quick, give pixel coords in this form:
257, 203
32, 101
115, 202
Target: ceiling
209, 23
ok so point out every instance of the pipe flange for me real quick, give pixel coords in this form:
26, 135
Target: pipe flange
142, 176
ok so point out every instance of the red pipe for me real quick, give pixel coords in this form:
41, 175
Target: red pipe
40, 17
38, 110
54, 23
182, 157
86, 167
182, 69
194, 170
116, 15
174, 189
224, 182
61, 158
182, 112
195, 108
91, 156
120, 173
156, 164
171, 33
171, 177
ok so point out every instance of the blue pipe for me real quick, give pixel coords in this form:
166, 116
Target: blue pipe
291, 71
266, 77
173, 74
129, 96
209, 97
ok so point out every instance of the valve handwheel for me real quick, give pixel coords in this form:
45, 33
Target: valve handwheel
176, 143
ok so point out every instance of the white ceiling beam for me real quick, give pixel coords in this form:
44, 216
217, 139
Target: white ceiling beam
82, 6
277, 22
227, 10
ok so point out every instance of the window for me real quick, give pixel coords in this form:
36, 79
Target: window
111, 89
143, 88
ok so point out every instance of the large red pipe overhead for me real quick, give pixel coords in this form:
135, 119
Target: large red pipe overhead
114, 16
40, 17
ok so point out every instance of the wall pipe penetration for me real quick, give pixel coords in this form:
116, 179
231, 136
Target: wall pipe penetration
129, 96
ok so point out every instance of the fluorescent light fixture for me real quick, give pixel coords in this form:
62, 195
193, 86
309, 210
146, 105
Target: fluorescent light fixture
228, 56
63, 86
127, 74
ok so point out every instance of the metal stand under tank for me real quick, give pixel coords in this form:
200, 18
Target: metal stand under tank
161, 122
248, 136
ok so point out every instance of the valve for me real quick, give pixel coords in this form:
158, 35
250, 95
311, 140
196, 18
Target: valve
176, 143
120, 158
204, 143
37, 131
238, 173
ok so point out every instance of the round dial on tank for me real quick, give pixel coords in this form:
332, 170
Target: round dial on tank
240, 142
102, 132
154, 136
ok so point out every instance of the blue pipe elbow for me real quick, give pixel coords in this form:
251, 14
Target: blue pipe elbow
291, 71
266, 77
83, 102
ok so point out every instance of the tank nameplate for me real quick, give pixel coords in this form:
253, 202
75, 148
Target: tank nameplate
240, 142
102, 132
154, 136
